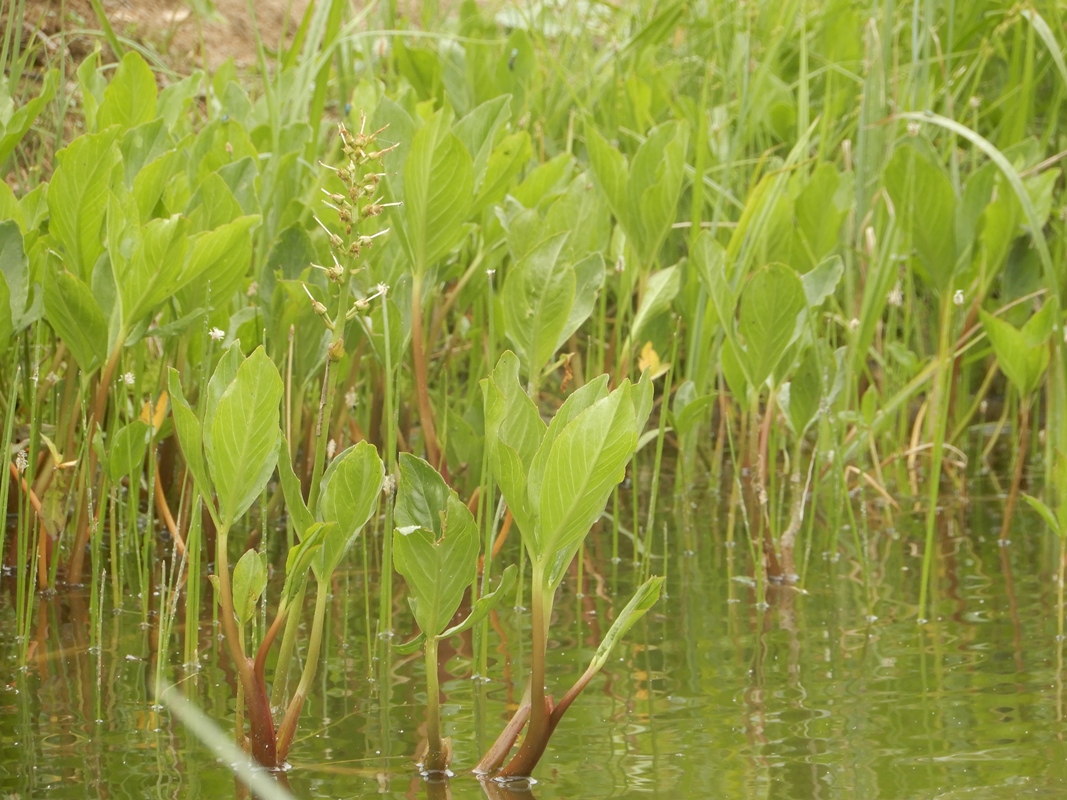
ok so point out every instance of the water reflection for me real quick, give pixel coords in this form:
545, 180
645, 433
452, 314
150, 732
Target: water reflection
825, 690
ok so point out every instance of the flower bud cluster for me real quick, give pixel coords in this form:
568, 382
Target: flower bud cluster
358, 201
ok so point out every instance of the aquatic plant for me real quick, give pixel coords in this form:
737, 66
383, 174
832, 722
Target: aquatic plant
556, 480
435, 548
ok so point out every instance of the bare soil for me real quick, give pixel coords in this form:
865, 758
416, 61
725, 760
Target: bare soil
184, 39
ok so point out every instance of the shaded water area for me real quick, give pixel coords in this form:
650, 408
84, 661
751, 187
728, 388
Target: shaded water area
831, 690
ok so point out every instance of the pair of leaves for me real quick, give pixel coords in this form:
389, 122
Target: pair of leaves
1023, 354
347, 498
557, 478
644, 196
435, 548
546, 299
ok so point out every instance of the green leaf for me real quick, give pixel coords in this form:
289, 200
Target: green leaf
435, 544
349, 495
478, 132
6, 325
217, 264
709, 258
486, 603
609, 169
821, 282
130, 97
588, 281
513, 432
127, 449
644, 598
1046, 514
187, 427
301, 556
688, 407
422, 496
655, 187
243, 449
660, 292
438, 193
77, 197
803, 394
77, 319
770, 304
818, 218
411, 646
294, 496
18, 125
1023, 363
586, 462
506, 161
221, 378
152, 274
15, 268
537, 297
924, 198
249, 581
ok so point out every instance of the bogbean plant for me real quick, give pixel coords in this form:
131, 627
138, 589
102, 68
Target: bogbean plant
842, 261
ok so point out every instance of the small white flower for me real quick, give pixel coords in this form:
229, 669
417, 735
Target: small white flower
382, 289
913, 129
331, 448
854, 325
388, 485
128, 378
350, 398
21, 461
957, 298
896, 296
216, 334
490, 273
253, 289
974, 102
52, 378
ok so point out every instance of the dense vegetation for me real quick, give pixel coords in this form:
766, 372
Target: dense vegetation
819, 245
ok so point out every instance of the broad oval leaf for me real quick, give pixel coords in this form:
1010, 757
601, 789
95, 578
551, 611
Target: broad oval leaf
127, 450
586, 461
349, 495
74, 314
537, 299
1023, 363
438, 193
244, 436
439, 562
130, 97
768, 313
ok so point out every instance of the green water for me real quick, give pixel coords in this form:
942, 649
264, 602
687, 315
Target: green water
832, 691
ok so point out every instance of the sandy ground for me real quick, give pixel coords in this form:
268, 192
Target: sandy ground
186, 39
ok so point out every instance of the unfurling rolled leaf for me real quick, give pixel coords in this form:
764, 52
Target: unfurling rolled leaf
249, 581
644, 598
486, 603
301, 557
